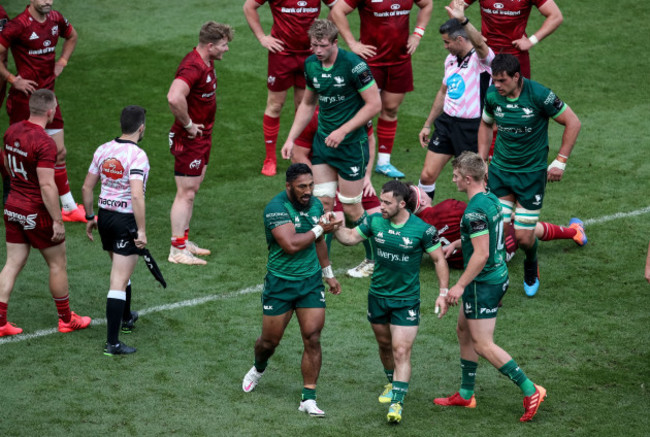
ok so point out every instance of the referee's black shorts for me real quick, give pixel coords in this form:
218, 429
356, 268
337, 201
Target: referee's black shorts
453, 135
117, 230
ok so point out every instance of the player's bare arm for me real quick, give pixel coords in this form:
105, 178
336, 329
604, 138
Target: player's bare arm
474, 36
292, 242
68, 47
87, 195
177, 100
273, 45
572, 127
484, 139
304, 114
338, 15
436, 110
481, 245
50, 195
24, 85
348, 236
371, 108
137, 201
442, 271
553, 19
324, 261
423, 17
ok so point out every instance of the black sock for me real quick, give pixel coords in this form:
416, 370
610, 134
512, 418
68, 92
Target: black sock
114, 309
126, 314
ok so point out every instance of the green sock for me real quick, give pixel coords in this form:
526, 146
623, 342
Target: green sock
516, 375
531, 254
389, 375
468, 371
399, 391
308, 393
260, 366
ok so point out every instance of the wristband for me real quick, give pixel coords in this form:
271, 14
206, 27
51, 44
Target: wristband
464, 23
327, 272
557, 164
562, 158
317, 230
62, 61
11, 78
418, 31
90, 217
443, 292
533, 39
188, 125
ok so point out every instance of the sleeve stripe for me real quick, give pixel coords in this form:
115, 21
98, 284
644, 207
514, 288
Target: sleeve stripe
432, 248
365, 237
560, 111
367, 86
478, 234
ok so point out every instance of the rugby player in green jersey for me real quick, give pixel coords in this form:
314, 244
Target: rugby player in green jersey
341, 84
521, 108
482, 285
400, 239
294, 223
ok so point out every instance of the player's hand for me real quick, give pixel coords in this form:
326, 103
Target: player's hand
58, 68
441, 306
92, 224
271, 44
363, 50
332, 225
448, 250
647, 273
141, 240
423, 136
195, 130
554, 174
457, 10
412, 43
58, 231
25, 85
335, 138
522, 44
454, 294
287, 150
368, 189
334, 286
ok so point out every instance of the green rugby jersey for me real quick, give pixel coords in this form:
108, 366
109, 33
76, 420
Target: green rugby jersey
278, 212
483, 215
398, 254
522, 126
338, 89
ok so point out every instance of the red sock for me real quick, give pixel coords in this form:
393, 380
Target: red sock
179, 242
3, 313
61, 179
271, 127
63, 307
187, 234
511, 243
386, 135
556, 232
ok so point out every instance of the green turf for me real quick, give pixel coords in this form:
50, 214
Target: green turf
584, 337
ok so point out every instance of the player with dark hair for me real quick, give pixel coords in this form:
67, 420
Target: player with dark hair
32, 215
521, 108
288, 46
456, 110
386, 44
294, 224
482, 285
192, 100
123, 169
503, 24
32, 37
400, 239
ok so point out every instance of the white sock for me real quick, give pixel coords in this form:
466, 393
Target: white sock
383, 158
67, 201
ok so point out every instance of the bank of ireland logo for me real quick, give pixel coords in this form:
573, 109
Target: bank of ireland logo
455, 86
302, 3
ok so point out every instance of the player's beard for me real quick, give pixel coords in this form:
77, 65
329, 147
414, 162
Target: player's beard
296, 202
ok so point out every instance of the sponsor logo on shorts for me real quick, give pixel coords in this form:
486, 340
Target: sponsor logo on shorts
271, 80
121, 244
413, 315
538, 199
112, 203
268, 307
354, 171
27, 222
488, 310
322, 296
195, 164
468, 307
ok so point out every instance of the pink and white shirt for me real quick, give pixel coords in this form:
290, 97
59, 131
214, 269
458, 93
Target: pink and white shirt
117, 162
463, 81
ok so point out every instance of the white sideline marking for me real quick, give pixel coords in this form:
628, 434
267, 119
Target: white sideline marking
258, 288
